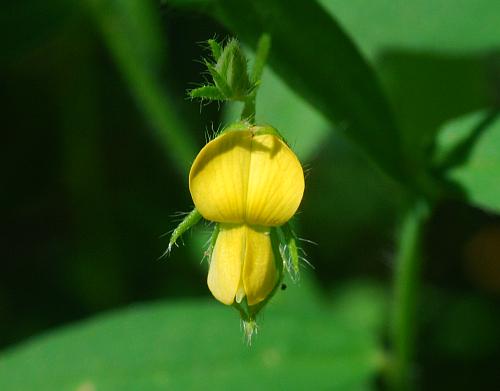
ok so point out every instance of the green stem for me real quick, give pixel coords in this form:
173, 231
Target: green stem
406, 285
248, 113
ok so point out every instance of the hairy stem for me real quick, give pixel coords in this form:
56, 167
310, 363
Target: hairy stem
248, 113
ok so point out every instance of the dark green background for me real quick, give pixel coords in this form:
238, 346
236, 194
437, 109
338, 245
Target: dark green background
88, 191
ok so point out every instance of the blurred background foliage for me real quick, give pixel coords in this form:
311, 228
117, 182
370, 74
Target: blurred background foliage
98, 138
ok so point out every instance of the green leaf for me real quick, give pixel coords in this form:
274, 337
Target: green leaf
479, 174
215, 48
433, 57
453, 26
414, 82
352, 304
456, 138
261, 55
317, 59
219, 80
237, 72
198, 344
133, 34
207, 92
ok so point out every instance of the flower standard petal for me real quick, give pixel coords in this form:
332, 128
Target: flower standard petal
218, 178
275, 182
259, 270
226, 263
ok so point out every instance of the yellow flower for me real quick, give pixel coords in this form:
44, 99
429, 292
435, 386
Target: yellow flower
248, 181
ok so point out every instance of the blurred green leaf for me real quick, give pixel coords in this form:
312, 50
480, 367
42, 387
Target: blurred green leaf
453, 134
457, 138
478, 174
427, 89
318, 60
132, 31
436, 59
352, 305
453, 26
198, 345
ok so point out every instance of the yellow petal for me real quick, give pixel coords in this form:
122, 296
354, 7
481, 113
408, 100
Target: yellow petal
242, 177
259, 270
275, 182
224, 275
242, 264
219, 177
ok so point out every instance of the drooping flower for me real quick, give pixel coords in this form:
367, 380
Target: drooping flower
247, 180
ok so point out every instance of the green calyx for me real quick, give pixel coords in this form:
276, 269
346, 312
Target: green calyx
257, 130
229, 74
